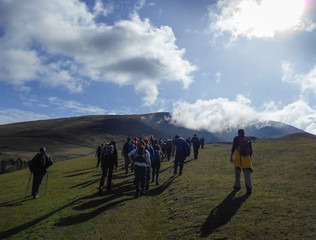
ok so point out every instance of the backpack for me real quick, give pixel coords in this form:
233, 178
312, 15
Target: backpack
156, 158
141, 157
244, 144
187, 150
128, 147
107, 152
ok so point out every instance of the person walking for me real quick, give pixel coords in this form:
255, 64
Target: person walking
128, 147
196, 145
109, 159
156, 164
141, 158
39, 167
98, 154
241, 157
182, 149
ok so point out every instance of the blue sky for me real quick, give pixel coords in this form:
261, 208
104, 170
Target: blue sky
214, 64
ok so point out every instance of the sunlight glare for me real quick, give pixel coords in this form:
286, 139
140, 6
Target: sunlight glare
264, 18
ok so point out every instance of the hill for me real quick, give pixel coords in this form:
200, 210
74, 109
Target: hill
200, 204
73, 137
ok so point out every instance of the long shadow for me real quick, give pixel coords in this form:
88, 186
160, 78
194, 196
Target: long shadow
162, 187
222, 213
85, 184
79, 170
77, 174
15, 230
15, 202
105, 203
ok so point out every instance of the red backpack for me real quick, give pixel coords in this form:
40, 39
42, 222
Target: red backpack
244, 144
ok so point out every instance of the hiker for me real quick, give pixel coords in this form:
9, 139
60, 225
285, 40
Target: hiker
241, 157
128, 147
182, 151
39, 167
196, 145
202, 141
155, 164
141, 158
98, 154
150, 149
169, 147
109, 159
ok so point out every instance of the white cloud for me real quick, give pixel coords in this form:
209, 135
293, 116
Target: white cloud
259, 19
76, 107
305, 82
62, 44
15, 115
218, 77
221, 114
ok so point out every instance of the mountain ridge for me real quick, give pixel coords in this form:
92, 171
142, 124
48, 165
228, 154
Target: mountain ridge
67, 138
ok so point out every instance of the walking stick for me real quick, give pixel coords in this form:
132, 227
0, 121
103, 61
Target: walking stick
27, 189
46, 182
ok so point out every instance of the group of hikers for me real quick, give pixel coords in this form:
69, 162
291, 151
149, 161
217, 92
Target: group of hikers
144, 156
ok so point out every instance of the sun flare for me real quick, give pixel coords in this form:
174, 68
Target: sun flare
262, 18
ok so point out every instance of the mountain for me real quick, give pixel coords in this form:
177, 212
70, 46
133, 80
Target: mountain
68, 138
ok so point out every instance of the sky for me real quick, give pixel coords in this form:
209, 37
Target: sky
214, 65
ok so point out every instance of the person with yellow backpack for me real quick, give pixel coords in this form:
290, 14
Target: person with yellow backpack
241, 157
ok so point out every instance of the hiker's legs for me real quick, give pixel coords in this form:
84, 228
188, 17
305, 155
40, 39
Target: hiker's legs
153, 174
126, 162
181, 163
104, 173
196, 152
140, 179
110, 177
99, 160
176, 163
237, 177
247, 173
147, 179
157, 174
37, 181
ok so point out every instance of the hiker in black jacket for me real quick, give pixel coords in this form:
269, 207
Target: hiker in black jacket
109, 159
39, 167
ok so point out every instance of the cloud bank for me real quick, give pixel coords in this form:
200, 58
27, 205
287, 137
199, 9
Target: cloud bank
61, 43
222, 114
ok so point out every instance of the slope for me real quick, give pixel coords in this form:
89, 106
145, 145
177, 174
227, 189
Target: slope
198, 204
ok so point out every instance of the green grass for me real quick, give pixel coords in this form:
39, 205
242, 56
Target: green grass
200, 204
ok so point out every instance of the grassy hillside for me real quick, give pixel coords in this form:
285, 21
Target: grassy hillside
198, 204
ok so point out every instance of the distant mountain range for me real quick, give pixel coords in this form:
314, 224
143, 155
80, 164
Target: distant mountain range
77, 136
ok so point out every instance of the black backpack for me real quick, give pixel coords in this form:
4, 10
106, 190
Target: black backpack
141, 155
244, 144
107, 152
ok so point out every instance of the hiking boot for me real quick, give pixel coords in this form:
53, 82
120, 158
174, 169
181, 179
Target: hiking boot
100, 190
35, 196
157, 182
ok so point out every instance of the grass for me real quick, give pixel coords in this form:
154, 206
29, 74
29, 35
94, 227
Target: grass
200, 204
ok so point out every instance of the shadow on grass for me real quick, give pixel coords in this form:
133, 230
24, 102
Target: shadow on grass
162, 187
79, 170
85, 184
222, 213
15, 202
112, 199
16, 230
77, 174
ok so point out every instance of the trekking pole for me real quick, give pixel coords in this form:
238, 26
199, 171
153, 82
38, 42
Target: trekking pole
46, 182
27, 189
